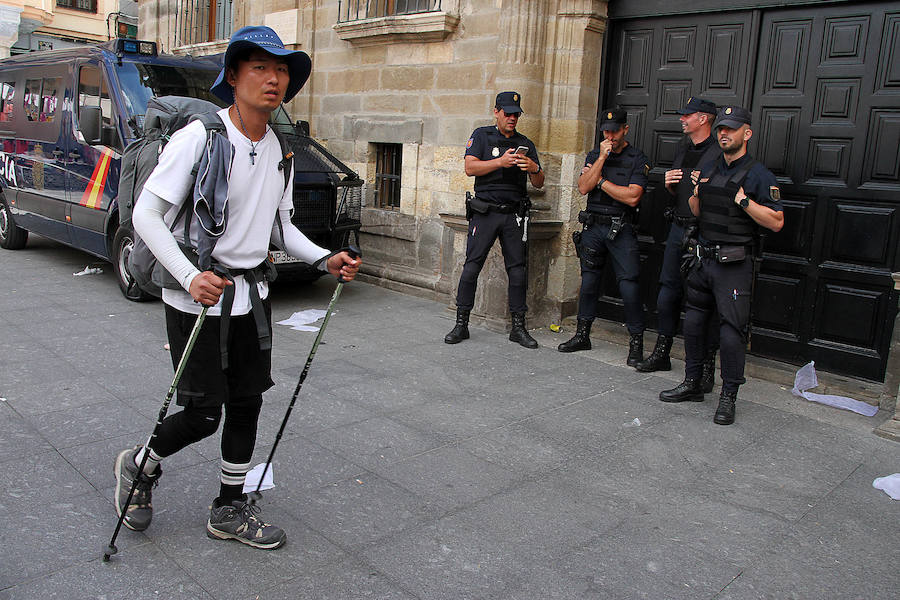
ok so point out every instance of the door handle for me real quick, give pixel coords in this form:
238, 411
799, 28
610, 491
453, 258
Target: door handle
74, 155
58, 153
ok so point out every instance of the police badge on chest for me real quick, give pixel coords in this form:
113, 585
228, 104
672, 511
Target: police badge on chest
495, 152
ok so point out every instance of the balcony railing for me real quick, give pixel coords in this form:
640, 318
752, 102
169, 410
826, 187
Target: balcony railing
356, 10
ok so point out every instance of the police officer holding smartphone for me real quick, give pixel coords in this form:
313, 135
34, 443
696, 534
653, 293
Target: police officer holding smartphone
502, 160
734, 199
613, 178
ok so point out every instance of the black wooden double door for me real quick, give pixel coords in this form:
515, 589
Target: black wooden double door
823, 83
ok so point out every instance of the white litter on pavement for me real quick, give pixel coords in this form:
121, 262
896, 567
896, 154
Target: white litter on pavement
890, 485
806, 379
253, 479
300, 321
635, 422
88, 270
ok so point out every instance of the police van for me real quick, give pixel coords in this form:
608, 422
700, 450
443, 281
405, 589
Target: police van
65, 118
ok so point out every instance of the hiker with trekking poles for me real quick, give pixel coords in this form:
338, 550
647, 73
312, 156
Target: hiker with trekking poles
219, 320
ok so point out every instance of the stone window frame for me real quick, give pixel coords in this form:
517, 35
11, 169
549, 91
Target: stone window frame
432, 26
388, 169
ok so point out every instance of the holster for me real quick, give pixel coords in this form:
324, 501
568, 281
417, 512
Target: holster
576, 239
474, 205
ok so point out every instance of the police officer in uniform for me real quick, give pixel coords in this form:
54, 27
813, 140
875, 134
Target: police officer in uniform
614, 178
502, 160
698, 150
733, 200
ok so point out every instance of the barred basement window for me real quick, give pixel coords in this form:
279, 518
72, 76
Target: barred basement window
85, 5
387, 175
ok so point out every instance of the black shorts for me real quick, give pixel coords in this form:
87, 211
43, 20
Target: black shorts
203, 382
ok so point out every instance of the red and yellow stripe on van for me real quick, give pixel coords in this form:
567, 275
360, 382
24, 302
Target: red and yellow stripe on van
93, 195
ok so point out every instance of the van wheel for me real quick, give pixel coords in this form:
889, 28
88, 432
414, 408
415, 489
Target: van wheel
12, 237
122, 245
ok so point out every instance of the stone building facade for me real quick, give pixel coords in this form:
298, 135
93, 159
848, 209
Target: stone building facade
424, 82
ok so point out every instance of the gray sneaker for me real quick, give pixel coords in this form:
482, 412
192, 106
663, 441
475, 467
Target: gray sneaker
140, 510
238, 521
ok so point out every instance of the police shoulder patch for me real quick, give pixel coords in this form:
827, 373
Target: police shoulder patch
775, 192
469, 143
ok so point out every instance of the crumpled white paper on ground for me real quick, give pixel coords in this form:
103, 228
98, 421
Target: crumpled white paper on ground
300, 321
253, 479
890, 485
88, 270
806, 379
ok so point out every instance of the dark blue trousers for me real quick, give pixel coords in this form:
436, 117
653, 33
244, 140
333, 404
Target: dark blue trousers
484, 229
626, 263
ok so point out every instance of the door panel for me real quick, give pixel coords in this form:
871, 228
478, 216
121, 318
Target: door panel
824, 89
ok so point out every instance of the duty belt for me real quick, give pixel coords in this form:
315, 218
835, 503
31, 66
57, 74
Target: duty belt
719, 253
589, 218
684, 221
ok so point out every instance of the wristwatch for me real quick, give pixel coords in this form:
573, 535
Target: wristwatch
600, 183
745, 202
540, 168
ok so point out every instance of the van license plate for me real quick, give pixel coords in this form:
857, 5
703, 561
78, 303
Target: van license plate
279, 257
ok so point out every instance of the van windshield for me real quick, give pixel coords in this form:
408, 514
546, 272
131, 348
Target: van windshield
141, 81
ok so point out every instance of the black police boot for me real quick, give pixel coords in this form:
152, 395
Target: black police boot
459, 332
635, 349
581, 340
659, 358
725, 410
519, 334
708, 379
687, 390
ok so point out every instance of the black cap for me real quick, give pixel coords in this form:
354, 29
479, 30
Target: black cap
732, 116
508, 102
698, 105
612, 119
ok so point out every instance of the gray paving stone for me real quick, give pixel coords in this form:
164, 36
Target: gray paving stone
345, 580
73, 530
83, 424
18, 438
377, 441
140, 572
361, 510
36, 478
449, 476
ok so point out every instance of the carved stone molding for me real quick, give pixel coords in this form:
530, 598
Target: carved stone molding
423, 27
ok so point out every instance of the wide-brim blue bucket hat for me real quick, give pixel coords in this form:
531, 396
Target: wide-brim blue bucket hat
263, 38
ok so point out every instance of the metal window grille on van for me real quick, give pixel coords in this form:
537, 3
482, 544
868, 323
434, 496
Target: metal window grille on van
387, 175
355, 10
200, 21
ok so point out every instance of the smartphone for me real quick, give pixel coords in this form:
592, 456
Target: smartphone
523, 150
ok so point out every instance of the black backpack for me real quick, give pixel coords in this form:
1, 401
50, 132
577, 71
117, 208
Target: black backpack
166, 115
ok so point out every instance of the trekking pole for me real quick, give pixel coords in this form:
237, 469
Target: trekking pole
354, 252
111, 549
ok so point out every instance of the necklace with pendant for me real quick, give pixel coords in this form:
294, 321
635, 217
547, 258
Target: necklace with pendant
252, 143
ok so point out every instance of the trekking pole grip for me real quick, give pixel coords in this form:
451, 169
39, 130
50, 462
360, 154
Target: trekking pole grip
354, 252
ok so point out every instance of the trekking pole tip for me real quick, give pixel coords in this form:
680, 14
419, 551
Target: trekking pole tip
108, 551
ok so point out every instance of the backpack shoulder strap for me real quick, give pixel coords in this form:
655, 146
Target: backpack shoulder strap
286, 166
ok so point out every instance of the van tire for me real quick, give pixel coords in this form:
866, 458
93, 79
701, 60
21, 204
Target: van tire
122, 245
12, 237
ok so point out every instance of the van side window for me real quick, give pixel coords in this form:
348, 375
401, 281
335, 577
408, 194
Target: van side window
7, 97
32, 99
93, 91
49, 99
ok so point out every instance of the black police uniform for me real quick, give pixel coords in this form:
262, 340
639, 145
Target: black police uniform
505, 190
722, 280
630, 166
688, 157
